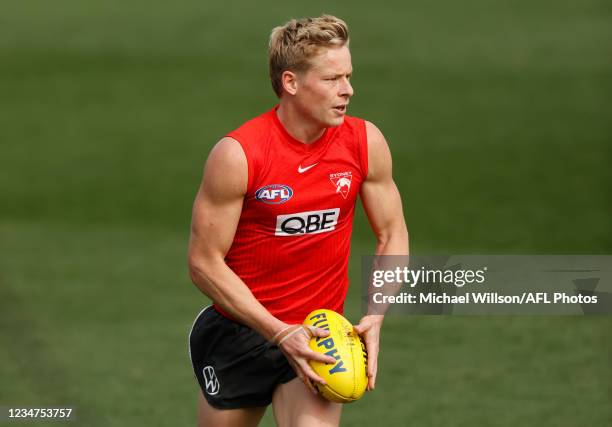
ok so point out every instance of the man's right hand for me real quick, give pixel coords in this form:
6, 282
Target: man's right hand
293, 342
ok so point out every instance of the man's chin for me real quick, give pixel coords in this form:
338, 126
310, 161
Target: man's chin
335, 122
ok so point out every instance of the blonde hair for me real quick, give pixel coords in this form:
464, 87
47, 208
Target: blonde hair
293, 44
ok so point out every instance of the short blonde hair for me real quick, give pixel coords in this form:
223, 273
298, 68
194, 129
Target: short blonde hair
293, 44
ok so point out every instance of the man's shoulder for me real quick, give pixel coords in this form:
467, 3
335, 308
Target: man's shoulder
373, 132
353, 122
254, 127
352, 130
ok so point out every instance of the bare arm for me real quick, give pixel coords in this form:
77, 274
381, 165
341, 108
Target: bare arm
383, 207
215, 216
216, 212
381, 199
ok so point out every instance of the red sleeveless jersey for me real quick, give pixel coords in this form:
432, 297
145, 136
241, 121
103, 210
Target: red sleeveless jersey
292, 243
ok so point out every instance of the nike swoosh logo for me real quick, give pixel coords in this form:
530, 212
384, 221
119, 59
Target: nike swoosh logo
302, 170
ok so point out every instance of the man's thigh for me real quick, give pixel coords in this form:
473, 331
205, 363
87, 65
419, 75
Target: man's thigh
234, 365
295, 406
212, 417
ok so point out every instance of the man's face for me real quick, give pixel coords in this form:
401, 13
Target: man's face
323, 92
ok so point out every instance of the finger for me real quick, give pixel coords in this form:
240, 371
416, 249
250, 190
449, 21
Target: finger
372, 369
309, 385
302, 376
372, 382
313, 355
307, 370
374, 374
372, 379
309, 382
317, 332
372, 362
360, 329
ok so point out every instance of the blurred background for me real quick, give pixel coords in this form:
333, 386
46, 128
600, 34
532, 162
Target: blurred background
498, 118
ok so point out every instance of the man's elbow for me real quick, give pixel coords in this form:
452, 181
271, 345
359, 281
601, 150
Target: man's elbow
200, 269
396, 236
400, 235
197, 270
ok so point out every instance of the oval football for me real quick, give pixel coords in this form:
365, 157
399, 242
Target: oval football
346, 379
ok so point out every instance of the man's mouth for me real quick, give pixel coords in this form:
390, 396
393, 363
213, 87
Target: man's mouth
340, 108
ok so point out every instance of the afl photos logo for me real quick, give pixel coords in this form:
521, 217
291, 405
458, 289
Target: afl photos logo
210, 380
274, 194
342, 182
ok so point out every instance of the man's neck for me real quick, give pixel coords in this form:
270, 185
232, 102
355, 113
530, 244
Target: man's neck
297, 125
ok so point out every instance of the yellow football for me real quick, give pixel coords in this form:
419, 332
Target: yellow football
346, 380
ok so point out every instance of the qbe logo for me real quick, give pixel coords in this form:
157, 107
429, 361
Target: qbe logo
274, 194
312, 222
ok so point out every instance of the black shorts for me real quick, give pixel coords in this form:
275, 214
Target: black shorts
235, 366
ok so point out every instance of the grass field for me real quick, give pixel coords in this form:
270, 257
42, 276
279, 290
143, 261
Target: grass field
497, 115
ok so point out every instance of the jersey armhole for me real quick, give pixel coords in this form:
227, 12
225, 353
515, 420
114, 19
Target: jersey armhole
363, 148
236, 136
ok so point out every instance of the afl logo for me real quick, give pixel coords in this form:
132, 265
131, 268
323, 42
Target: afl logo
274, 194
210, 380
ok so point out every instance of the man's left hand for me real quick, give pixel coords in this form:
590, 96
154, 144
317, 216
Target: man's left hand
369, 329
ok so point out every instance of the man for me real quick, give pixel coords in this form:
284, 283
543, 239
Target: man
271, 232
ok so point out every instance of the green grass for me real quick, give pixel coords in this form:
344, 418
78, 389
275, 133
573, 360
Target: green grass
497, 117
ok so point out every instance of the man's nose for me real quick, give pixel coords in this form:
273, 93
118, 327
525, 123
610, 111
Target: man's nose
346, 88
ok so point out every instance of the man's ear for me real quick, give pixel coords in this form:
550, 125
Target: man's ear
289, 81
